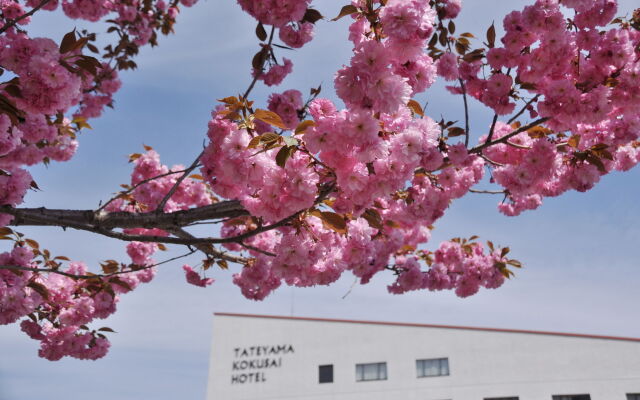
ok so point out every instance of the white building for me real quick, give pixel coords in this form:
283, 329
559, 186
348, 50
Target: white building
271, 357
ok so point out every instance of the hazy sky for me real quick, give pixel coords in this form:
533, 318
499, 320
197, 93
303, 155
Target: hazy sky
580, 250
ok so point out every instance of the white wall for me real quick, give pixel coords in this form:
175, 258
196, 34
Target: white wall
482, 363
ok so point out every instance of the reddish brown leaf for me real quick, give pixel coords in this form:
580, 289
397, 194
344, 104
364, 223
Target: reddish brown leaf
346, 10
260, 32
415, 107
303, 126
270, 118
491, 36
68, 41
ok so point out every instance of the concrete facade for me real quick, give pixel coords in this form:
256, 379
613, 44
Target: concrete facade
269, 357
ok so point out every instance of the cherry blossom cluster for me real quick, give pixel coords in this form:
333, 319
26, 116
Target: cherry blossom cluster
59, 307
583, 82
237, 172
463, 267
295, 23
151, 184
384, 74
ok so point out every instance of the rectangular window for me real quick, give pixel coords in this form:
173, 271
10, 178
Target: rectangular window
371, 372
325, 373
633, 396
432, 367
571, 397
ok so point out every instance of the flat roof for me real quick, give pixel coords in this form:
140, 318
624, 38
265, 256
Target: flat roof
415, 325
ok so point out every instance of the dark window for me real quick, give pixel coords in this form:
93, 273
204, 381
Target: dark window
432, 367
571, 397
325, 374
633, 396
502, 398
371, 372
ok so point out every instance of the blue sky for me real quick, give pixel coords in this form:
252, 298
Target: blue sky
580, 251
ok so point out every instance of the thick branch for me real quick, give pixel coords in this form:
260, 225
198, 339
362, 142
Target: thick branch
102, 223
121, 219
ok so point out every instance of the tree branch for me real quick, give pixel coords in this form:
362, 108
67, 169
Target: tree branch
92, 276
466, 113
137, 185
122, 219
503, 139
13, 22
102, 223
175, 186
523, 109
488, 191
249, 247
259, 72
493, 128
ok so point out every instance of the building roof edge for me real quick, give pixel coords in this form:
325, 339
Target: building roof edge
417, 325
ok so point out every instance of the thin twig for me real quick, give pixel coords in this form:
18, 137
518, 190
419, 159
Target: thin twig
517, 146
131, 189
259, 71
490, 161
355, 281
523, 109
493, 128
466, 112
249, 247
182, 177
92, 276
503, 139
